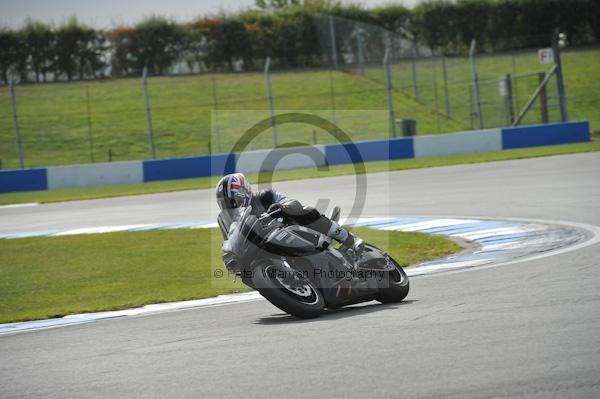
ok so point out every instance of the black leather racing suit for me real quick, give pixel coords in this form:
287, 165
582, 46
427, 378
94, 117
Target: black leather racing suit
292, 211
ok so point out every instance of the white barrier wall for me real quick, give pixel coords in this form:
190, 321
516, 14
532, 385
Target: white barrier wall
94, 175
282, 158
458, 143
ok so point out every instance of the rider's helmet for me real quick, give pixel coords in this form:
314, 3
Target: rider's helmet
234, 191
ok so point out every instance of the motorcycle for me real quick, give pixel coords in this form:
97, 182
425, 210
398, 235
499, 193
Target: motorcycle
298, 269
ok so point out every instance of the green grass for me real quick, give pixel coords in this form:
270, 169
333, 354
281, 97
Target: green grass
371, 167
56, 128
54, 118
56, 276
580, 67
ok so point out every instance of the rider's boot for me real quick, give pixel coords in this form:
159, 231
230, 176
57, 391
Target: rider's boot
347, 239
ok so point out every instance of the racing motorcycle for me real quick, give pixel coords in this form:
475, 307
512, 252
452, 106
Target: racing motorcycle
298, 269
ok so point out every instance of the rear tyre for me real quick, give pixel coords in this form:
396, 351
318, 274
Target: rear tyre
296, 296
394, 286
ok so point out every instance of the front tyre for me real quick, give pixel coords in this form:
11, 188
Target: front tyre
290, 292
394, 286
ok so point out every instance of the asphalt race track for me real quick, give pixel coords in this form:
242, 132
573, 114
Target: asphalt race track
529, 329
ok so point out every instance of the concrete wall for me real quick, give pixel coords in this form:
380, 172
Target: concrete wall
458, 143
95, 175
280, 159
102, 174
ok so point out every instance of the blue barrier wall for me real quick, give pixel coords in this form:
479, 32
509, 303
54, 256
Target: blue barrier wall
23, 180
185, 168
549, 134
367, 151
334, 154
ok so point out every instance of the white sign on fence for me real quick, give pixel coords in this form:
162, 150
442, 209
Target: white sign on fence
546, 56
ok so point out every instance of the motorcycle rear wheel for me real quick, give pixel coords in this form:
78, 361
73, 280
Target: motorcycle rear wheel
301, 299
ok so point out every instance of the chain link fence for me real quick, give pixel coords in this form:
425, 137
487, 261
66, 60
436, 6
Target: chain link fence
348, 84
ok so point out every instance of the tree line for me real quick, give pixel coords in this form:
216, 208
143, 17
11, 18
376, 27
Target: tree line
286, 31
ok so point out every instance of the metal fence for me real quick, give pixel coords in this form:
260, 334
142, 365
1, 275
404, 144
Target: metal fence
363, 70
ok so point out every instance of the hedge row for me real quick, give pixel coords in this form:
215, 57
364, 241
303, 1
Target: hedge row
284, 30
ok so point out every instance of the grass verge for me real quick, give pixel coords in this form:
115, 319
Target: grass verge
297, 174
47, 277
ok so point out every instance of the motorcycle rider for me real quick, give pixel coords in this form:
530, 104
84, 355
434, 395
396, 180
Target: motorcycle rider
235, 191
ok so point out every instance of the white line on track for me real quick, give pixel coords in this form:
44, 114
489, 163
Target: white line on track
19, 205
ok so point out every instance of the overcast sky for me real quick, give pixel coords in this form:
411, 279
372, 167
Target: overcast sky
107, 13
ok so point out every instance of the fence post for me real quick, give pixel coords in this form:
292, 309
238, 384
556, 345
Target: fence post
435, 94
515, 89
333, 44
562, 99
475, 79
360, 44
332, 95
414, 70
18, 142
446, 96
388, 86
509, 98
89, 121
535, 96
387, 42
148, 113
270, 98
471, 106
216, 111
543, 98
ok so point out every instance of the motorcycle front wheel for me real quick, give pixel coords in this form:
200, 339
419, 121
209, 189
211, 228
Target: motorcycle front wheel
291, 292
394, 286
